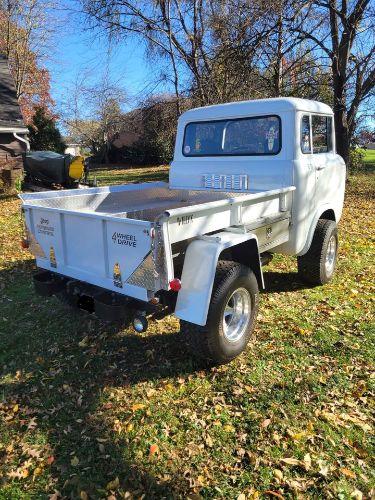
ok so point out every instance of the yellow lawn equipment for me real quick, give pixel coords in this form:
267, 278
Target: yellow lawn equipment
50, 170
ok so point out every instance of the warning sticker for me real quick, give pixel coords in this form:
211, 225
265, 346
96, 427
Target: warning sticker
117, 279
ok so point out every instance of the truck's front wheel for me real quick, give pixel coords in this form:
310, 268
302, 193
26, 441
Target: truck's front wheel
318, 264
231, 315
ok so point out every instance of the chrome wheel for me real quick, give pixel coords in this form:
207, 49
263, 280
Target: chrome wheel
331, 255
236, 315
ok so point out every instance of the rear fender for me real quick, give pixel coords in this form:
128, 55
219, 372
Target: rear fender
199, 271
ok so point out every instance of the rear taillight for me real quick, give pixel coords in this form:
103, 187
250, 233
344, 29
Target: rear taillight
175, 285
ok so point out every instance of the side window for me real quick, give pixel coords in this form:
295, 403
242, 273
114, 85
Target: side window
322, 134
305, 134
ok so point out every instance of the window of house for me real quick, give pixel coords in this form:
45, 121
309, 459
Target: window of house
305, 134
322, 134
258, 135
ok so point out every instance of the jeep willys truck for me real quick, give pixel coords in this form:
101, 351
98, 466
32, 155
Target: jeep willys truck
248, 179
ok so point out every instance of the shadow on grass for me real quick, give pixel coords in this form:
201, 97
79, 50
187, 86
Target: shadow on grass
58, 383
283, 282
8, 196
59, 366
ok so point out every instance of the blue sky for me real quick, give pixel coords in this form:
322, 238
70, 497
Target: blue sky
78, 53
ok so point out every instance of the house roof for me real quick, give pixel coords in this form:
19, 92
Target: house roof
10, 112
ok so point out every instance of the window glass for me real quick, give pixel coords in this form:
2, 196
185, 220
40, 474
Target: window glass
305, 135
240, 137
322, 133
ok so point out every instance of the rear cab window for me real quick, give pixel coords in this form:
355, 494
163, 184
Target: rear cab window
253, 136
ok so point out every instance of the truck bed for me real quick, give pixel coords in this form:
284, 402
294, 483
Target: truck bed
128, 231
140, 202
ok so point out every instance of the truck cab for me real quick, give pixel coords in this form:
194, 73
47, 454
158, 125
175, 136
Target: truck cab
265, 144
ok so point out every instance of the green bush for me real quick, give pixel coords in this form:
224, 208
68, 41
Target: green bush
356, 159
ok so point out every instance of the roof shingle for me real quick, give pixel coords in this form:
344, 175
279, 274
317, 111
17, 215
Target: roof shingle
10, 112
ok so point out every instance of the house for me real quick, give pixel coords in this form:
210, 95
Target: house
73, 149
13, 131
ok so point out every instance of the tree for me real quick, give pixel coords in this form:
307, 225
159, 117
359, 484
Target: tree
158, 123
208, 44
342, 31
43, 134
94, 115
24, 30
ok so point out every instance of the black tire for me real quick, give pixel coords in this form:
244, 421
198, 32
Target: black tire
209, 342
312, 265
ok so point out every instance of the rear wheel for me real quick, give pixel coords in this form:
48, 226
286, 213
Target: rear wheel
231, 315
317, 266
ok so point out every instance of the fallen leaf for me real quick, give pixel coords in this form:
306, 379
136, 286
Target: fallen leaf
278, 474
307, 461
154, 449
358, 495
265, 423
138, 406
84, 342
348, 473
291, 461
229, 428
113, 485
74, 461
274, 494
323, 468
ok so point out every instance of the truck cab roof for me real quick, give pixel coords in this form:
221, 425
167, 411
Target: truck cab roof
255, 107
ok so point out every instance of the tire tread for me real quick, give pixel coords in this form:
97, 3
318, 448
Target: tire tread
197, 337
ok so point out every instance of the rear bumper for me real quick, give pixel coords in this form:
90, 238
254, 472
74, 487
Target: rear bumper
105, 304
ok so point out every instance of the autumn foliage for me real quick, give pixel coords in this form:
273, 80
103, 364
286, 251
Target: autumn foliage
32, 81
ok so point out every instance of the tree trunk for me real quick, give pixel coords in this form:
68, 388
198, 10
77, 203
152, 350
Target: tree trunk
339, 108
342, 133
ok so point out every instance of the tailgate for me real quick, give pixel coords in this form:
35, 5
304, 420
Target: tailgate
113, 253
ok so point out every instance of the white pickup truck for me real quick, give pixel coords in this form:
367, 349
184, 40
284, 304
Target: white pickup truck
248, 179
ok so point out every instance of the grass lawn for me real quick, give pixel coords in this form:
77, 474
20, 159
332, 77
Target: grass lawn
369, 159
91, 411
121, 176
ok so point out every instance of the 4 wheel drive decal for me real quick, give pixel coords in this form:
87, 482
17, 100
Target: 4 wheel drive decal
124, 239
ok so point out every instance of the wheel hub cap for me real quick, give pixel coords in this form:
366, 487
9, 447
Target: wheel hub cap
236, 315
330, 255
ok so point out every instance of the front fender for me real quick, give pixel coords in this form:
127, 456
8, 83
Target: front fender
199, 271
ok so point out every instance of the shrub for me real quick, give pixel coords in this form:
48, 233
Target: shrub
356, 157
